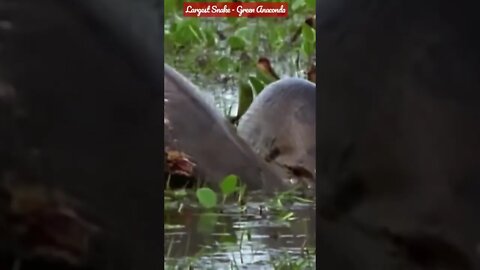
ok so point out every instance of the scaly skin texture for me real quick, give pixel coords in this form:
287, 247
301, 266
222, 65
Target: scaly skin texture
198, 130
280, 126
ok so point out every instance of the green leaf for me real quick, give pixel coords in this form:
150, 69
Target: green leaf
308, 33
308, 43
232, 20
225, 63
211, 38
206, 223
236, 43
297, 4
229, 184
288, 216
241, 192
197, 33
243, 32
307, 48
207, 197
170, 6
278, 38
266, 79
245, 98
188, 31
310, 4
257, 84
182, 33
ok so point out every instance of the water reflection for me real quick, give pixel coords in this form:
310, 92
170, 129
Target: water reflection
233, 240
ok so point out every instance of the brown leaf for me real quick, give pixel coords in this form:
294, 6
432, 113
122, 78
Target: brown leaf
264, 65
179, 163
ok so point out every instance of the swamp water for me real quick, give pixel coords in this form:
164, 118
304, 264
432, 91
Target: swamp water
263, 234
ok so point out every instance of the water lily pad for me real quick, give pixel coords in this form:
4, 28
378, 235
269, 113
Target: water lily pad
207, 197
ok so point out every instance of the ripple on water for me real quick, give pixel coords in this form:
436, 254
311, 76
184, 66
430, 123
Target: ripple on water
238, 240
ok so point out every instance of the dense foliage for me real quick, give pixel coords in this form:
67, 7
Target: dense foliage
221, 54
